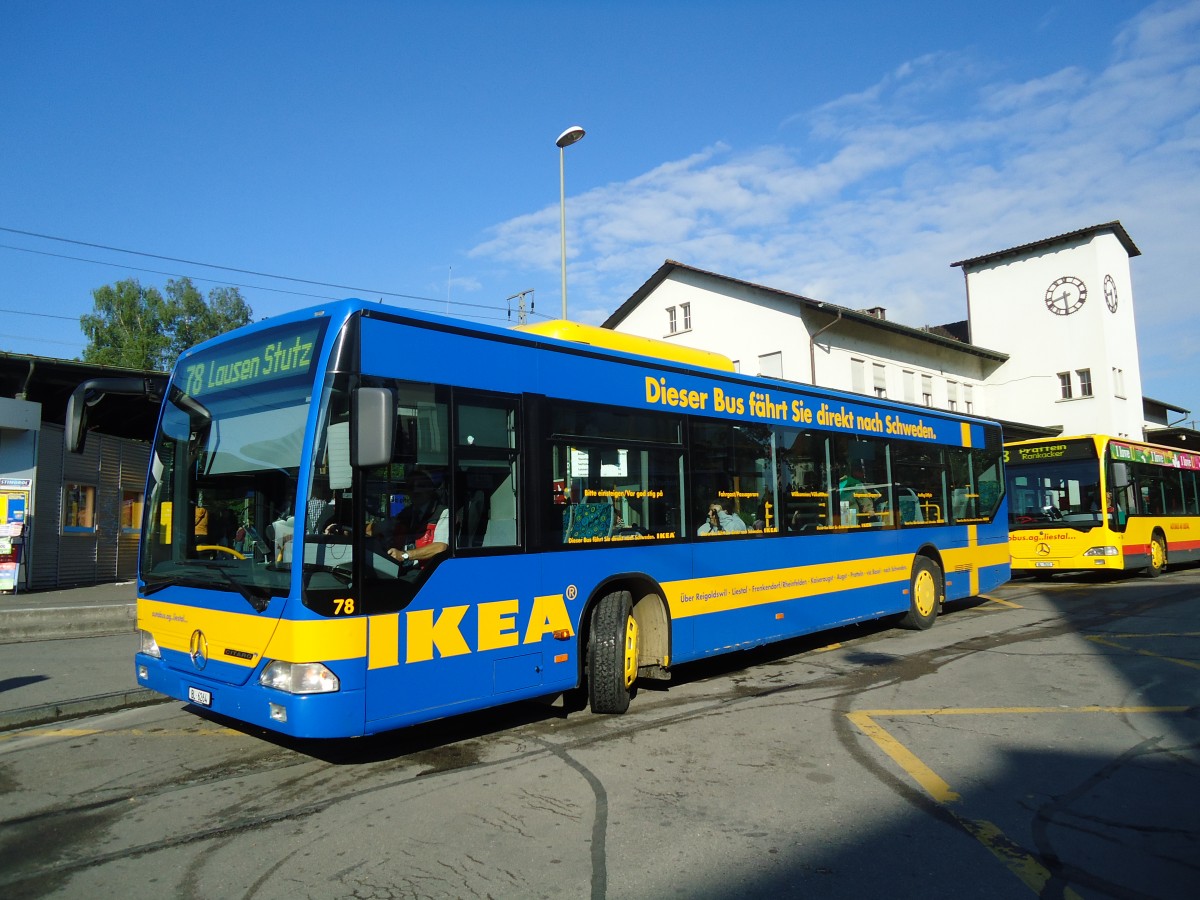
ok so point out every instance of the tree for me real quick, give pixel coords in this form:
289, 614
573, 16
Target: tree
139, 328
126, 327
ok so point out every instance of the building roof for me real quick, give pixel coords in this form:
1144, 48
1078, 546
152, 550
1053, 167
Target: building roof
1024, 249
804, 303
49, 381
1167, 407
1175, 436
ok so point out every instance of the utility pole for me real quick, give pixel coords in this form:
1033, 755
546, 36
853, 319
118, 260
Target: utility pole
522, 313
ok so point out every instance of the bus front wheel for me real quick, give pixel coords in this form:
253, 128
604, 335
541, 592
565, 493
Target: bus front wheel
1158, 556
612, 653
925, 589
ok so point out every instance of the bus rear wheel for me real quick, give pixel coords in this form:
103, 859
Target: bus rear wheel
1158, 556
925, 589
612, 653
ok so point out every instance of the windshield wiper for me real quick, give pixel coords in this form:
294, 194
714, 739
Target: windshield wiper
257, 598
159, 585
259, 601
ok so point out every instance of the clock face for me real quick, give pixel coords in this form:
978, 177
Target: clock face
1065, 295
1110, 293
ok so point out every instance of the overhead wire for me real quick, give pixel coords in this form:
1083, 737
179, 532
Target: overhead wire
290, 278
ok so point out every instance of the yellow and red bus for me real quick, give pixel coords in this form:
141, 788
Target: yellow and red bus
1100, 502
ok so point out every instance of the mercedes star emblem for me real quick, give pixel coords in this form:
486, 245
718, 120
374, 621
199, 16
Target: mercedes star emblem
199, 649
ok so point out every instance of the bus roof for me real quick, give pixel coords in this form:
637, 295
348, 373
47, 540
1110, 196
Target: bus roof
608, 339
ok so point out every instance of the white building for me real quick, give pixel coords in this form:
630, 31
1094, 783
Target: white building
1054, 322
1062, 309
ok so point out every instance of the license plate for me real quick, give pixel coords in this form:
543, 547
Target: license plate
199, 697
1044, 565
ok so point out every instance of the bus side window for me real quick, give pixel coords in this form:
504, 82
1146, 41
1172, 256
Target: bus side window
920, 477
487, 459
734, 467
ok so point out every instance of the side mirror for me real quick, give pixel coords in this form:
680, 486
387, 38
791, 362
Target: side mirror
93, 391
76, 421
373, 412
1119, 476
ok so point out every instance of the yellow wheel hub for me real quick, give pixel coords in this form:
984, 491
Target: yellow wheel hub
631, 651
925, 593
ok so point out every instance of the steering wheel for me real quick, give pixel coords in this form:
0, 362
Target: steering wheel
213, 549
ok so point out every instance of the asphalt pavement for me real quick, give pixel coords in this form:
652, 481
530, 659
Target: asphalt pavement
68, 653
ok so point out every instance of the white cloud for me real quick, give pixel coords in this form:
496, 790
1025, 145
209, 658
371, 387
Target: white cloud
908, 183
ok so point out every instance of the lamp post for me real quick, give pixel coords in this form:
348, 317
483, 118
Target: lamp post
566, 139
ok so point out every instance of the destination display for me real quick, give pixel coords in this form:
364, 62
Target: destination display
270, 356
1049, 452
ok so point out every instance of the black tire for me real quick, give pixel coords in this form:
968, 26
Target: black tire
926, 590
611, 642
1158, 555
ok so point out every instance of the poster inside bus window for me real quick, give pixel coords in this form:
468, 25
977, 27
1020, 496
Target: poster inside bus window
1156, 456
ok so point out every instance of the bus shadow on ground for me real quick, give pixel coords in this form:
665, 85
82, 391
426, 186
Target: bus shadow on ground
445, 744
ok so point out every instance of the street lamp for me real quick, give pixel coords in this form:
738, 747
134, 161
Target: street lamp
566, 139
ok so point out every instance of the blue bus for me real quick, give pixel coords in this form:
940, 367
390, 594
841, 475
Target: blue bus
359, 518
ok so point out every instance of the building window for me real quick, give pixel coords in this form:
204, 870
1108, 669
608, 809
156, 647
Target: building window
952, 395
1119, 382
79, 508
672, 326
686, 310
910, 386
927, 390
1085, 382
1064, 385
880, 373
771, 365
131, 511
737, 365
858, 376
969, 398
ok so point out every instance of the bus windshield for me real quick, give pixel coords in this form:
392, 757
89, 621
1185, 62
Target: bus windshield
221, 495
1058, 492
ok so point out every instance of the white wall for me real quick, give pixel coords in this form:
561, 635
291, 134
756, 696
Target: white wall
746, 323
733, 322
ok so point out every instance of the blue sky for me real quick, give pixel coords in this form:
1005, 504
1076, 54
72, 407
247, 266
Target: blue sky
846, 151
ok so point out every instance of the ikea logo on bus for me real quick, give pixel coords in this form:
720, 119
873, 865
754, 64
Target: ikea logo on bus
498, 623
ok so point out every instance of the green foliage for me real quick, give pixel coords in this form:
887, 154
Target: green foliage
142, 328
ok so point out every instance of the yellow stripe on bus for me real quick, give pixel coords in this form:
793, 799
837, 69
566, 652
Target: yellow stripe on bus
383, 648
247, 635
721, 593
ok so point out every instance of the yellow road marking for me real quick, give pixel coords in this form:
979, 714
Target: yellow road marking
1015, 858
903, 757
1159, 634
1021, 710
1107, 643
828, 647
1007, 603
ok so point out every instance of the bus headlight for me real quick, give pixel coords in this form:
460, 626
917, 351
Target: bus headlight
1103, 551
148, 645
299, 678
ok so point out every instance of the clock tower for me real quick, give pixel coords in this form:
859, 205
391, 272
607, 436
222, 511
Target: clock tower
1062, 309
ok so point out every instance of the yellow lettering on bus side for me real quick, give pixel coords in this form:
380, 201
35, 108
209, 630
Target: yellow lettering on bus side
424, 633
498, 624
548, 616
